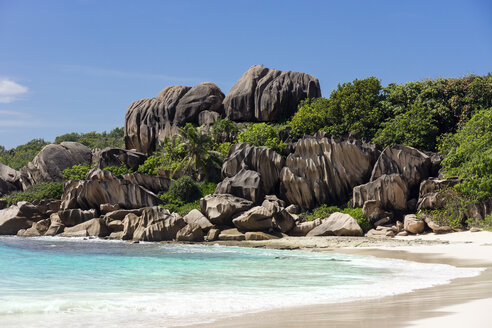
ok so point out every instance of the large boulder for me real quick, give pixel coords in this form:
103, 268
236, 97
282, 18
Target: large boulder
94, 227
263, 94
390, 190
231, 234
49, 163
148, 121
337, 224
91, 194
302, 229
75, 216
17, 217
245, 184
256, 219
322, 170
413, 225
283, 221
155, 224
195, 217
118, 157
156, 184
204, 96
219, 208
56, 226
375, 214
190, 232
100, 174
411, 164
263, 160
37, 229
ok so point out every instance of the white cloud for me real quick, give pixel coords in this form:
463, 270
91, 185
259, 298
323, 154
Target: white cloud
11, 91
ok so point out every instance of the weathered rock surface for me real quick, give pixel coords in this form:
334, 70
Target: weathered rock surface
195, 217
56, 226
413, 165
190, 232
94, 227
204, 96
149, 120
9, 180
108, 208
47, 206
156, 184
265, 161
91, 194
120, 214
37, 229
100, 174
231, 234
324, 171
17, 217
390, 190
75, 216
213, 234
337, 224
118, 157
208, 117
155, 224
374, 213
245, 184
412, 224
50, 162
259, 235
302, 229
283, 221
219, 208
256, 219
263, 94
115, 226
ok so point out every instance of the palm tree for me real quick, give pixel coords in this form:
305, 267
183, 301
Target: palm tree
200, 160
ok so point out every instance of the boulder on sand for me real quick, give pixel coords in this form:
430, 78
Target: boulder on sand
219, 208
337, 224
390, 190
256, 219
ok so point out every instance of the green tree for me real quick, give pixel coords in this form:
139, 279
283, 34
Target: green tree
262, 134
468, 155
19, 156
415, 127
200, 160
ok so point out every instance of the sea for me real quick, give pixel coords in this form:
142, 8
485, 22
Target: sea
67, 282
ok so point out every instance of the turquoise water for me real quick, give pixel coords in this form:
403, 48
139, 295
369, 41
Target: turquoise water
56, 282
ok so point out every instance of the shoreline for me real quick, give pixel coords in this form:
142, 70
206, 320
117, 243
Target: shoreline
462, 301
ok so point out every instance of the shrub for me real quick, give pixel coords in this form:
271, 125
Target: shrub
185, 193
44, 190
415, 128
76, 172
118, 171
310, 117
185, 189
224, 130
468, 155
223, 148
168, 158
321, 212
262, 134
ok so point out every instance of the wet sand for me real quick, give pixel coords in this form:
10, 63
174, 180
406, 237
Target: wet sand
465, 302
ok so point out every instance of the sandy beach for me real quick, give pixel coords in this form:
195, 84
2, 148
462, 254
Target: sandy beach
464, 302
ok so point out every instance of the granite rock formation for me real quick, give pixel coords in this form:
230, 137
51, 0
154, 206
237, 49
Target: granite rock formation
265, 95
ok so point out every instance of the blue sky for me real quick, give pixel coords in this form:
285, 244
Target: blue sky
76, 65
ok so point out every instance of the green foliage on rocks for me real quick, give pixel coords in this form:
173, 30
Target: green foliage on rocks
76, 172
93, 140
413, 114
44, 190
468, 155
184, 194
262, 134
118, 171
